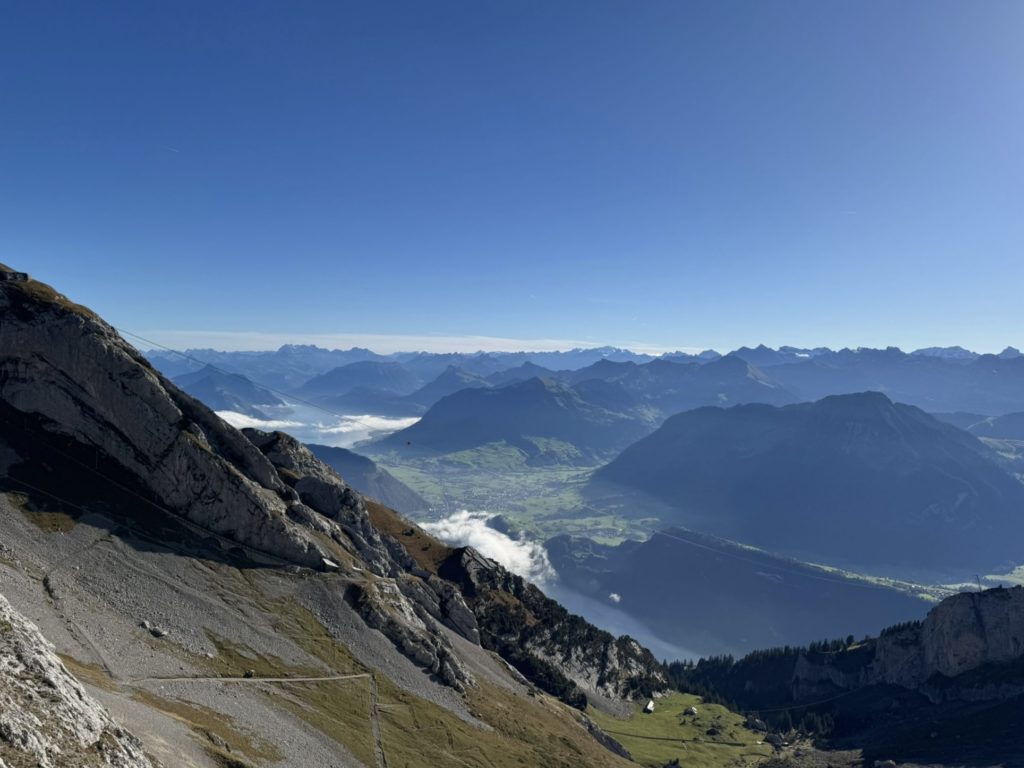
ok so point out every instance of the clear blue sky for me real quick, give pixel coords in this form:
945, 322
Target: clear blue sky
668, 174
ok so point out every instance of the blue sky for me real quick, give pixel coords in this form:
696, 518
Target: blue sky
656, 174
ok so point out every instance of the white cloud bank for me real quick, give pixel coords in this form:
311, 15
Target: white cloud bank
369, 423
521, 556
309, 425
241, 421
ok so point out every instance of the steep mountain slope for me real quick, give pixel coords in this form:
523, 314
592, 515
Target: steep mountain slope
854, 480
527, 415
745, 598
173, 559
227, 392
370, 480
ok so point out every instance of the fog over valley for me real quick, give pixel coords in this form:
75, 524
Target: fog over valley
312, 425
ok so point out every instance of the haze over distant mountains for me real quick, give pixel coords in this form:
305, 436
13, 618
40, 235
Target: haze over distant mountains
946, 379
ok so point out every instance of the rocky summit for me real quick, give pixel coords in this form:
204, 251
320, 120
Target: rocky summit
233, 601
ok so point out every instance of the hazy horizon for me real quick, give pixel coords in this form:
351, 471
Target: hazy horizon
388, 345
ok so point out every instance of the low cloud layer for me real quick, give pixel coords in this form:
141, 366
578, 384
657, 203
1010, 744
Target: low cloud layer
366, 423
520, 555
241, 421
309, 425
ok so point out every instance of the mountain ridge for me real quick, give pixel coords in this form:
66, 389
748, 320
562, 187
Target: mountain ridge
855, 480
206, 522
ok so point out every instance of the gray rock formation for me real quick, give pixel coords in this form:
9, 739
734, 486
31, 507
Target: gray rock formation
321, 489
46, 717
963, 634
582, 659
74, 375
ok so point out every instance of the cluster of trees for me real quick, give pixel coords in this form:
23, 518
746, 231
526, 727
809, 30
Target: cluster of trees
759, 684
897, 628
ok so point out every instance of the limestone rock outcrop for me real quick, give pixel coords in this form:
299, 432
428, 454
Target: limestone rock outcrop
46, 716
321, 489
941, 656
73, 376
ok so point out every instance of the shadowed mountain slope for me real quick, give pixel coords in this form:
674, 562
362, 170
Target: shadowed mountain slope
853, 480
366, 477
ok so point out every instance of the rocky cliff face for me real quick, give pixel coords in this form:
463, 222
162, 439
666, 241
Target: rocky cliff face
75, 377
46, 717
545, 641
68, 379
945, 656
972, 629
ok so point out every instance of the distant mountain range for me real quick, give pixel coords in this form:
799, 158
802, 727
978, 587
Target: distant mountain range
669, 387
850, 479
293, 364
937, 379
988, 384
745, 598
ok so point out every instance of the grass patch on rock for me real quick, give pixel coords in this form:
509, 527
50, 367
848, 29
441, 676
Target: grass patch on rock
47, 516
218, 731
427, 551
92, 674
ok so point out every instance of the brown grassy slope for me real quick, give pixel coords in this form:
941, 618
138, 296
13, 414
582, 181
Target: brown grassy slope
428, 552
